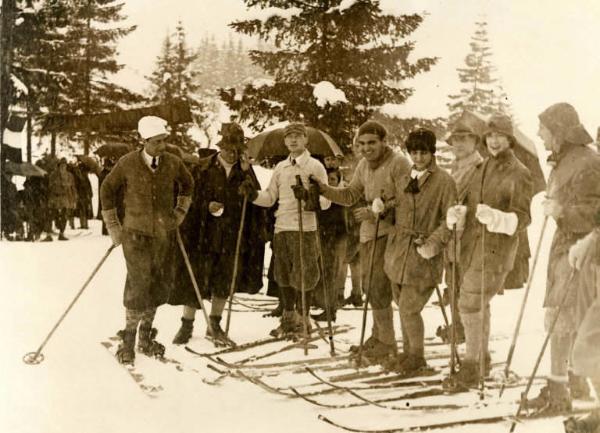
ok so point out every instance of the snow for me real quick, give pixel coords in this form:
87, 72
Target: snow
19, 85
262, 82
79, 387
405, 111
266, 13
326, 93
166, 77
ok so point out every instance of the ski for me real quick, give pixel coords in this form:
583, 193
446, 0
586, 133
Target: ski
462, 422
150, 390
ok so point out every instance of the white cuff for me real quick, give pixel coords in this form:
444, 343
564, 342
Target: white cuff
503, 222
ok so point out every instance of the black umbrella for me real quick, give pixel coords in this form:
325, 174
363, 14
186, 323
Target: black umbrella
23, 169
270, 143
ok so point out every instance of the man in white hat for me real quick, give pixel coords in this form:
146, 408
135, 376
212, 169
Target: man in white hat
147, 232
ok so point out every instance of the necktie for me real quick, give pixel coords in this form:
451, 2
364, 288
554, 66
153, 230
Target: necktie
154, 163
413, 186
293, 161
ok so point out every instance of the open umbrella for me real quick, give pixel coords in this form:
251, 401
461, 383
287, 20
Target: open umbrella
270, 143
25, 169
90, 163
115, 150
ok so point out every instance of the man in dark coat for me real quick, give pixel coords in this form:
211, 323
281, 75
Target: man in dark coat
62, 196
152, 214
210, 234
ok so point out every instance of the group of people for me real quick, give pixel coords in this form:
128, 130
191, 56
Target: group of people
415, 223
59, 197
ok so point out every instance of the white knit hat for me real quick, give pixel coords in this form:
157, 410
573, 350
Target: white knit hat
152, 126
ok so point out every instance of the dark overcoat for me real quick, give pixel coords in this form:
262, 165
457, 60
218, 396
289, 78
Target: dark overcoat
211, 240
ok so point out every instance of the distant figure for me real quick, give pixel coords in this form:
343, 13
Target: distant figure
62, 196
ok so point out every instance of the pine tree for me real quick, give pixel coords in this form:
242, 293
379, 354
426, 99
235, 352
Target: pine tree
174, 79
483, 93
356, 47
95, 27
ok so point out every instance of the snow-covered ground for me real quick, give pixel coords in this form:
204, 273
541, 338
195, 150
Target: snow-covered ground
81, 388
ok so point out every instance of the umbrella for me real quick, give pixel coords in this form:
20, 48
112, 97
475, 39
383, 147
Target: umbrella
270, 143
116, 150
90, 163
23, 169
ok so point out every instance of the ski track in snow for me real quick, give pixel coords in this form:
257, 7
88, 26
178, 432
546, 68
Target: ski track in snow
80, 388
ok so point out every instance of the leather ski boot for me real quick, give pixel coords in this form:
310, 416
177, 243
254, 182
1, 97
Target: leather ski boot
216, 333
411, 365
287, 325
378, 353
554, 398
147, 343
467, 377
579, 387
589, 423
185, 331
126, 350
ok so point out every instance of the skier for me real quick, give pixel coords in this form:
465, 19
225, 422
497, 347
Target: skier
497, 208
573, 195
413, 256
149, 177
376, 172
210, 232
284, 191
584, 256
464, 140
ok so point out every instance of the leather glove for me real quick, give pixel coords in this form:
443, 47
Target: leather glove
583, 250
552, 208
312, 200
300, 192
456, 215
181, 208
378, 206
248, 189
428, 250
113, 226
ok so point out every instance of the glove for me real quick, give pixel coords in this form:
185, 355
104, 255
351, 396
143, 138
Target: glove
312, 200
363, 214
378, 206
248, 189
456, 216
215, 208
497, 221
583, 250
428, 250
113, 226
181, 208
552, 208
300, 192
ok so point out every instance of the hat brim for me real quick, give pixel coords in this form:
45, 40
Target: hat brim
161, 136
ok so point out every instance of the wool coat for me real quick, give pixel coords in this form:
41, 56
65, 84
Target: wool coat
62, 193
420, 219
211, 240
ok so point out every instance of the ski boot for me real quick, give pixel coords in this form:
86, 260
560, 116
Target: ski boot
48, 238
579, 387
287, 325
216, 334
587, 424
147, 343
466, 378
62, 237
125, 352
411, 365
392, 364
369, 342
378, 353
554, 398
185, 331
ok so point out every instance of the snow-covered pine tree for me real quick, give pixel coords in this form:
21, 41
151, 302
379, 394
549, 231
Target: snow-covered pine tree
95, 27
353, 45
174, 79
483, 92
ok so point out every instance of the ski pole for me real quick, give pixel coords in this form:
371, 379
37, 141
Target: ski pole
483, 341
235, 264
37, 356
188, 265
368, 293
521, 312
325, 286
543, 349
302, 288
453, 292
442, 308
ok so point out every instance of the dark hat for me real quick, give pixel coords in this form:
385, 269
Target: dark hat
232, 136
372, 127
563, 122
500, 124
421, 139
297, 128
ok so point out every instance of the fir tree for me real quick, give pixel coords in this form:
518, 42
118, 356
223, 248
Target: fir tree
174, 79
359, 49
95, 28
483, 92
